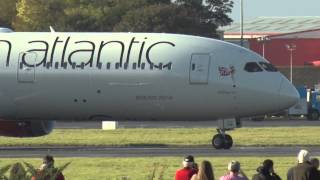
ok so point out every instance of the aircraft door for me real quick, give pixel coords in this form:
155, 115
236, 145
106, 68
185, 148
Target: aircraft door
199, 68
26, 74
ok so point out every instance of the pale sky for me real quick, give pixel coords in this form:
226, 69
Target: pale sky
256, 8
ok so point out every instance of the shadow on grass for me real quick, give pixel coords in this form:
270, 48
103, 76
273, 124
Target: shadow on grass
148, 145
155, 145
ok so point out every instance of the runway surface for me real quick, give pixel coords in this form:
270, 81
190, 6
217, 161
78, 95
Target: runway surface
187, 124
19, 152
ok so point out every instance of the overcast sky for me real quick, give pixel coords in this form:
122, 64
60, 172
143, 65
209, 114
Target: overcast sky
256, 8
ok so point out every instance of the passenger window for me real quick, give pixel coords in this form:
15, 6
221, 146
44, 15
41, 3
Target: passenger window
252, 67
169, 66
82, 65
125, 65
99, 65
48, 65
65, 65
73, 65
108, 65
117, 65
268, 67
56, 65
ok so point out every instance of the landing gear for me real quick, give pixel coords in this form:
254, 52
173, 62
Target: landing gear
223, 140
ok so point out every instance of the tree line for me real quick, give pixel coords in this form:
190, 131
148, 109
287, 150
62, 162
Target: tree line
195, 17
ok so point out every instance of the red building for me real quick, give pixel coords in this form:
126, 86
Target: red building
303, 47
282, 39
272, 36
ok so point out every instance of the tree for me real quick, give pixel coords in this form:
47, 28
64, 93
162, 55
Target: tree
73, 15
212, 11
194, 17
83, 18
217, 11
114, 14
38, 15
171, 18
197, 17
103, 15
198, 4
7, 12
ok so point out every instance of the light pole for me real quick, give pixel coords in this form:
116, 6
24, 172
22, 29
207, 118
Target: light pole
241, 22
263, 40
291, 47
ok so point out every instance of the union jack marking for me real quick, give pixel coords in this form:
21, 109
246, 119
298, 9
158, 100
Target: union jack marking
225, 71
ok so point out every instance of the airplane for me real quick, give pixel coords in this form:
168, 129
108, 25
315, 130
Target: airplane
52, 76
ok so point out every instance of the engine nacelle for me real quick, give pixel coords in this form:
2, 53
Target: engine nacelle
25, 128
5, 30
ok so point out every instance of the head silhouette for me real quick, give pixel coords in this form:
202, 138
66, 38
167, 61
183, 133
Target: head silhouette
205, 171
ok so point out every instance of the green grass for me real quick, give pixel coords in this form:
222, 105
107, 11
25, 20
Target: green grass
140, 168
278, 136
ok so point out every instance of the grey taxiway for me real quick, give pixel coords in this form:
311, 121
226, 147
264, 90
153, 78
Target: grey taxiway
19, 152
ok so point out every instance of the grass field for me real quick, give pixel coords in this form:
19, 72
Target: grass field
140, 168
278, 136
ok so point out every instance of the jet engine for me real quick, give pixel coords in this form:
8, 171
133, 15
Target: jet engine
25, 128
5, 30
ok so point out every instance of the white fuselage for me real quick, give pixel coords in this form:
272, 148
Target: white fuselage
133, 76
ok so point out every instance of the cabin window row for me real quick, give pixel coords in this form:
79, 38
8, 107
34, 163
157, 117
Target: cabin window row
126, 66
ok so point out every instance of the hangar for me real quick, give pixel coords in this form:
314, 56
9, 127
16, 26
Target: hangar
284, 41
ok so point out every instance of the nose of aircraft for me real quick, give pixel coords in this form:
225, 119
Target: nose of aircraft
288, 94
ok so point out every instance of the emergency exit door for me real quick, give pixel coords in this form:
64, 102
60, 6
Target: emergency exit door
27, 71
199, 68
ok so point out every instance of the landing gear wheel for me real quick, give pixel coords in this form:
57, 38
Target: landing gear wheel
313, 115
228, 142
218, 141
223, 140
